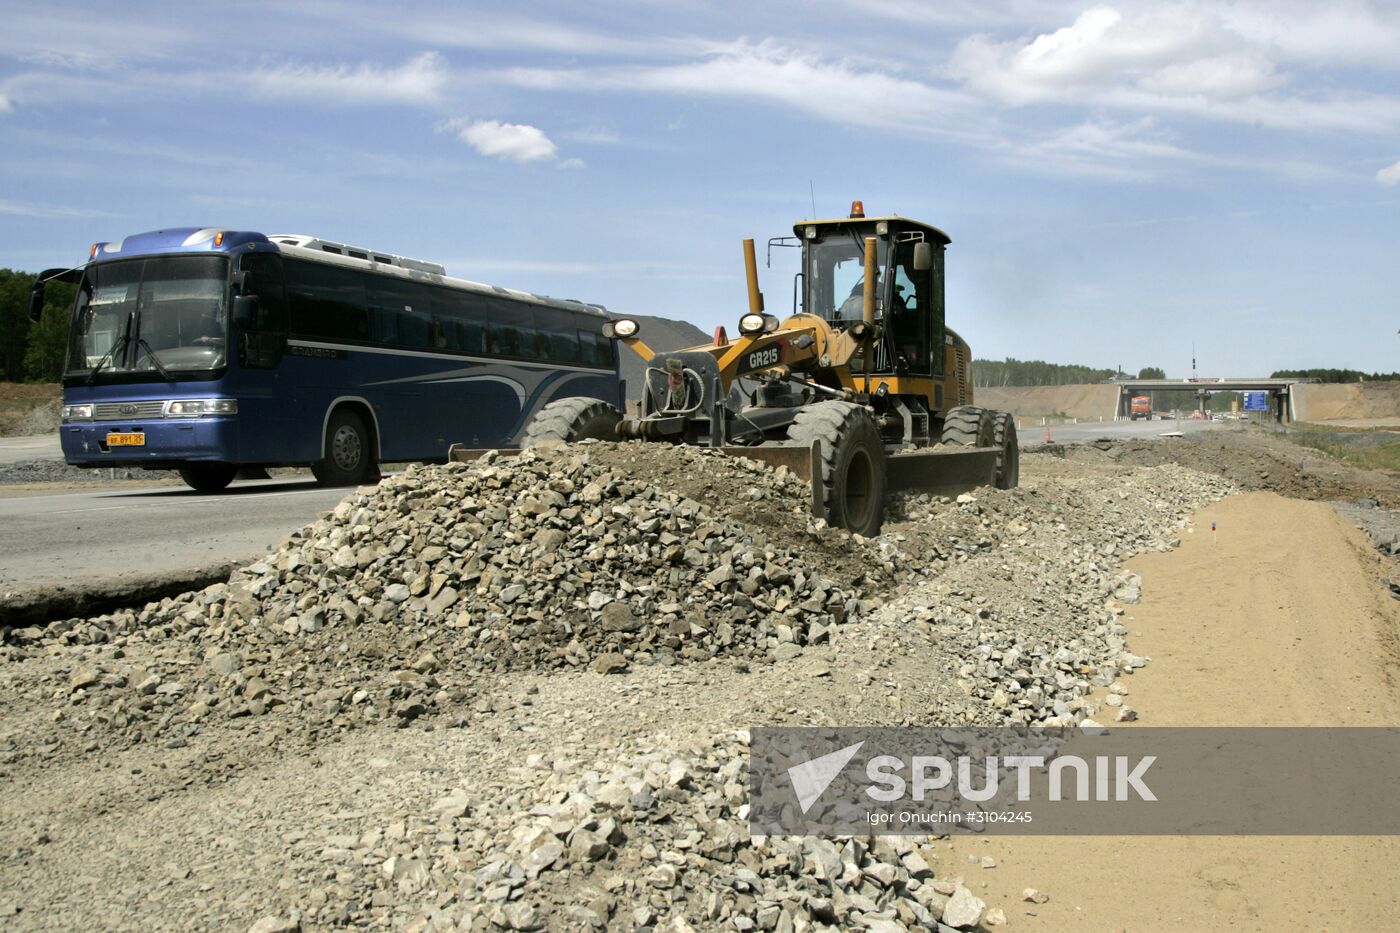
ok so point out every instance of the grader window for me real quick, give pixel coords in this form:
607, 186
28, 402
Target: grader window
836, 275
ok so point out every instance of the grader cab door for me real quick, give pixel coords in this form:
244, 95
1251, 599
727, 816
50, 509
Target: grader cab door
914, 320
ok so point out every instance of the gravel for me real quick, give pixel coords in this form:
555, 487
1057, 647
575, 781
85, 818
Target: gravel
56, 471
512, 695
391, 605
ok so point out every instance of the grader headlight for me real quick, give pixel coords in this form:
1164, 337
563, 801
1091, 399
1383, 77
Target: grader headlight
623, 327
751, 325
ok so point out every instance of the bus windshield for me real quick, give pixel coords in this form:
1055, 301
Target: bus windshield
151, 316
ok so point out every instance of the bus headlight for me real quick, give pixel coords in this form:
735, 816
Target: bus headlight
77, 412
195, 407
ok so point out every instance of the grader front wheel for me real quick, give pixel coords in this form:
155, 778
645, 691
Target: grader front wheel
853, 463
573, 419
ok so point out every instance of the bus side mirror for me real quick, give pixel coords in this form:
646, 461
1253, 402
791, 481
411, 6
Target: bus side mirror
923, 257
245, 310
36, 302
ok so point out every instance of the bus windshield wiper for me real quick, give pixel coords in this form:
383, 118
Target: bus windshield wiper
151, 355
106, 358
120, 344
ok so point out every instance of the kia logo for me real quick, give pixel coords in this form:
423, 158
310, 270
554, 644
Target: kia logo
127, 409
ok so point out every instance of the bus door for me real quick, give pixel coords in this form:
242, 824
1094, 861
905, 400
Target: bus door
256, 374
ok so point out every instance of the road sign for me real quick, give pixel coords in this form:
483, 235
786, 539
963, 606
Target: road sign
1256, 401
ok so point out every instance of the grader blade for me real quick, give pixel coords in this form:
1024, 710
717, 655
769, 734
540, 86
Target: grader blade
946, 470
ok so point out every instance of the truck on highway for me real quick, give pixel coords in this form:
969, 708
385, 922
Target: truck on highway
1140, 407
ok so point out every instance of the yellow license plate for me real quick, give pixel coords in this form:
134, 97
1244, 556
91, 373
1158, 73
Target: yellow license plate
126, 440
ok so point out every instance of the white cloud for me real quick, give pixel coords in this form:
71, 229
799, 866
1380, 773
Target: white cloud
594, 136
45, 211
515, 142
1223, 77
50, 36
835, 90
1122, 151
1344, 32
420, 80
1101, 48
571, 163
1169, 59
5, 105
1389, 176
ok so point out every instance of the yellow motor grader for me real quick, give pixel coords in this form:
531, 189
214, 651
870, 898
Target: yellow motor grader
861, 390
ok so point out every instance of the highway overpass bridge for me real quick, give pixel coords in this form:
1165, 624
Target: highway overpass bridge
1280, 391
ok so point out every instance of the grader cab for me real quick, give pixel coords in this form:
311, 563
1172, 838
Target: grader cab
863, 389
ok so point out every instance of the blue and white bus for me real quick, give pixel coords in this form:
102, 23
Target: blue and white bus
210, 350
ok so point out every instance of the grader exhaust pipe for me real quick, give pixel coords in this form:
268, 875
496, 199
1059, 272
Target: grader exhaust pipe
751, 275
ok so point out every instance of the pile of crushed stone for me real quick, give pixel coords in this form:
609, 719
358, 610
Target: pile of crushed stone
389, 606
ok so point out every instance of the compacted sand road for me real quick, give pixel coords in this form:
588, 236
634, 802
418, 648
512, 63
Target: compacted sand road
1277, 619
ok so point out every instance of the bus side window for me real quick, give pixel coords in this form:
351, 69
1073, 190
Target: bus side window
326, 302
508, 329
597, 349
461, 320
260, 345
401, 313
264, 279
557, 335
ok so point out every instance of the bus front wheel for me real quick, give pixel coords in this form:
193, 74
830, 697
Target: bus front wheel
208, 477
348, 459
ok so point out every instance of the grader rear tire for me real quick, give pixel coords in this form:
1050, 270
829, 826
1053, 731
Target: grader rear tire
853, 463
968, 426
1009, 460
573, 419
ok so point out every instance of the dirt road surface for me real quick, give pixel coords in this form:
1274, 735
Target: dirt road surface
1276, 619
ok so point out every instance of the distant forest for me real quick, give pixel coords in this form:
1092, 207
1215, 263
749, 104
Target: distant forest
32, 352
1335, 375
995, 374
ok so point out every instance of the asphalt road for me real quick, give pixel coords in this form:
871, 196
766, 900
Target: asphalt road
112, 536
1084, 432
31, 447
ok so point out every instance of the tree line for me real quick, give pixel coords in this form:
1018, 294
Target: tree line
1334, 375
995, 374
32, 352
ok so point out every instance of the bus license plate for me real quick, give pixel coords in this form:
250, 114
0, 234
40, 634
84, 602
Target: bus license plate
126, 440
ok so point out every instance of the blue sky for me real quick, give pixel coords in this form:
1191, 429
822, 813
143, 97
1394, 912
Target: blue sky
1119, 180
